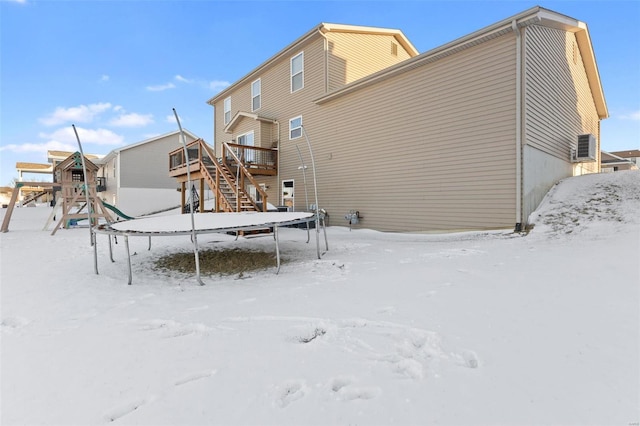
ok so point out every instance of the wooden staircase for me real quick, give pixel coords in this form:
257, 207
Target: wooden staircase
226, 177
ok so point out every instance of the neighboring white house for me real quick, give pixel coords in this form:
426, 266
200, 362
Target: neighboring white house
610, 162
136, 180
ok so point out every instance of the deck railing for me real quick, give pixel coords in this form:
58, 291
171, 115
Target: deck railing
233, 162
252, 157
176, 157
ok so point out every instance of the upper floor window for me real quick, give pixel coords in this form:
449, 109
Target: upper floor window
227, 110
255, 95
297, 72
295, 127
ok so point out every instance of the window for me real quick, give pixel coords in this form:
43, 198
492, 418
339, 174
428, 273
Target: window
227, 110
246, 155
77, 176
255, 95
295, 127
297, 72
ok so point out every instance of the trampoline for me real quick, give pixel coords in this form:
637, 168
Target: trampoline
206, 223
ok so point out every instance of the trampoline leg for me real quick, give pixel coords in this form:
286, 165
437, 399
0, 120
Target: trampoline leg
126, 244
326, 242
149, 244
110, 250
308, 234
95, 251
275, 234
318, 236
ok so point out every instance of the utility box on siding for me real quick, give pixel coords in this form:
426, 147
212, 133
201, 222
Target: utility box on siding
586, 150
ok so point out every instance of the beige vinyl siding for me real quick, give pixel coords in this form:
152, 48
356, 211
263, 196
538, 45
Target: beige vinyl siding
277, 100
559, 105
267, 135
427, 149
280, 104
353, 56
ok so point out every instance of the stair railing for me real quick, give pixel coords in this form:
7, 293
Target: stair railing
245, 174
205, 151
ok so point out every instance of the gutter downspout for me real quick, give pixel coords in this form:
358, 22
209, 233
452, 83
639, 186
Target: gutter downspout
519, 221
278, 184
326, 60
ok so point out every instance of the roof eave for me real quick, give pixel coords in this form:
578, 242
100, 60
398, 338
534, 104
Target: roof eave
309, 34
535, 15
322, 27
240, 114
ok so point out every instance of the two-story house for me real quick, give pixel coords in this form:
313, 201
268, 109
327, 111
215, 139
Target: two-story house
135, 176
469, 135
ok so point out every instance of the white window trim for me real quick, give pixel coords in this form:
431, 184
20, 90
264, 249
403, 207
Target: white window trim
224, 114
291, 129
291, 74
258, 95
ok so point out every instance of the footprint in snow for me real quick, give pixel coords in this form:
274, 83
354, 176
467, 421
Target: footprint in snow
291, 391
11, 324
410, 368
195, 376
470, 359
343, 389
124, 409
387, 310
175, 329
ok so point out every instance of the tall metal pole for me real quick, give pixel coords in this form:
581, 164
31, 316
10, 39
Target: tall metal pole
315, 191
92, 239
304, 179
194, 237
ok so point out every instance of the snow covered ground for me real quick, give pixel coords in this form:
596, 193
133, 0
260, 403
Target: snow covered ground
484, 328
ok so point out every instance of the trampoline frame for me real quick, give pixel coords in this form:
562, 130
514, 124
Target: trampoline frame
109, 230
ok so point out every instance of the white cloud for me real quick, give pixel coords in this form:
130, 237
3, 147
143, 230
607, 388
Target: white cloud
79, 114
132, 120
217, 85
18, 1
39, 147
161, 87
172, 119
89, 136
104, 77
634, 115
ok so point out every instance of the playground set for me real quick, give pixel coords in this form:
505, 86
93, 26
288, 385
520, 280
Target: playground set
73, 191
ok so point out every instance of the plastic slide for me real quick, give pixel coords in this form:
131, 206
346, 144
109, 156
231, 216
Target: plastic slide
117, 211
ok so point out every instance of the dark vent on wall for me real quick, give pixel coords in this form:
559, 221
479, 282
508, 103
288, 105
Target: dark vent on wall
394, 49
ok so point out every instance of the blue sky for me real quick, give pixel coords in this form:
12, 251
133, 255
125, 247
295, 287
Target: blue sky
116, 69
